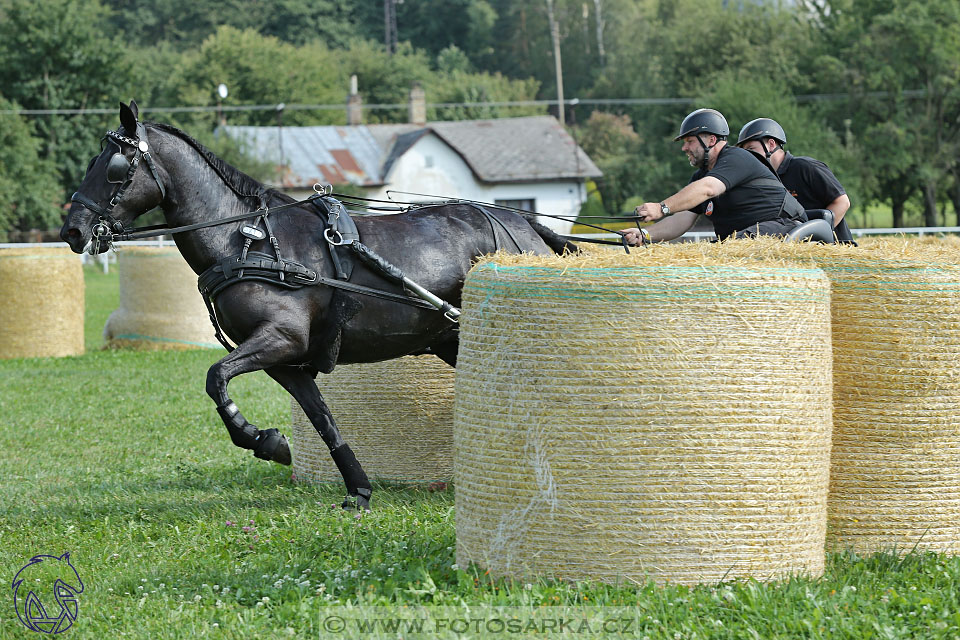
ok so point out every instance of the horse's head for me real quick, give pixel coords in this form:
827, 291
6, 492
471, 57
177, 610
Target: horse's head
116, 188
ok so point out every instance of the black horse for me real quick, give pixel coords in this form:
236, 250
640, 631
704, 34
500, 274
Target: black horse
290, 315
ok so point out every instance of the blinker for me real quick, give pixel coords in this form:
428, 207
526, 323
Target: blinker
117, 168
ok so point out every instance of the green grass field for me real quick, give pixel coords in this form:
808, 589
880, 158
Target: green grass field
118, 457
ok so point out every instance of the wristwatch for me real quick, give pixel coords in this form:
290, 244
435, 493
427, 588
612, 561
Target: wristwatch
664, 209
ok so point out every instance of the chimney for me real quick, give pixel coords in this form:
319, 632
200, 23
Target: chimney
354, 104
418, 105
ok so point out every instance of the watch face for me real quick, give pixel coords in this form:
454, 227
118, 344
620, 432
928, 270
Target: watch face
664, 209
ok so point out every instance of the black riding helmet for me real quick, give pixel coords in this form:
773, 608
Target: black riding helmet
704, 121
762, 128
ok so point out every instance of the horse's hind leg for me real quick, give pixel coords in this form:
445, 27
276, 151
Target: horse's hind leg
267, 347
301, 386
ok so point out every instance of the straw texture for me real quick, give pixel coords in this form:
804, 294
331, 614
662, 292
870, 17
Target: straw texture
396, 415
895, 480
619, 417
41, 303
895, 477
160, 307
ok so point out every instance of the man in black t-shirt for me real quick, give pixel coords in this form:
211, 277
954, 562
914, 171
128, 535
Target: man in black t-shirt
809, 180
734, 188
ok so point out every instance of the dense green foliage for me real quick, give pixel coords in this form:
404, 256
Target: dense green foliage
26, 182
869, 87
119, 458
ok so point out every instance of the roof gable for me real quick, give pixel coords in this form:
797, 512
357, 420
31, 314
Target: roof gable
504, 150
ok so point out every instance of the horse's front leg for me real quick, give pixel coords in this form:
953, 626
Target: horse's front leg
267, 346
301, 386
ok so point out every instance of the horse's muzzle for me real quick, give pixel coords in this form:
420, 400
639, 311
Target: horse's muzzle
74, 237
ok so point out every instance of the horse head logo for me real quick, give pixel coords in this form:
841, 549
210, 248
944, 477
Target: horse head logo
45, 593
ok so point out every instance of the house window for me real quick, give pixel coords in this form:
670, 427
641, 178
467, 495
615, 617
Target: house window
528, 204
428, 161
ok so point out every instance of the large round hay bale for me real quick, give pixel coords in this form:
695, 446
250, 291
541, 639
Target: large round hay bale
396, 415
41, 302
895, 470
895, 479
160, 307
656, 415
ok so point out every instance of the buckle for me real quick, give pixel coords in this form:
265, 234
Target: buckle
328, 236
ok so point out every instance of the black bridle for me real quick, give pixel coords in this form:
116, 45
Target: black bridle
120, 171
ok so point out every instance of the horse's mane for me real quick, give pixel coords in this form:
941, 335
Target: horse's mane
239, 182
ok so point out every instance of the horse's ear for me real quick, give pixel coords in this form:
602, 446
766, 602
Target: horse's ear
128, 117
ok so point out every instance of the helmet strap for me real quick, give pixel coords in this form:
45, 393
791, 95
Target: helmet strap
775, 149
706, 152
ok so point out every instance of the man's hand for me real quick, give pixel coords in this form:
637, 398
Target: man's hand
635, 237
649, 212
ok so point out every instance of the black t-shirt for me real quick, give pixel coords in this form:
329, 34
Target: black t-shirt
814, 185
742, 205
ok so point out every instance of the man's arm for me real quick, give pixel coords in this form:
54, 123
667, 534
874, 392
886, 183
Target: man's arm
839, 208
686, 199
667, 229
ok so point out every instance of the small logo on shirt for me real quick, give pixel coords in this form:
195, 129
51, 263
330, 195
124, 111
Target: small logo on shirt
709, 210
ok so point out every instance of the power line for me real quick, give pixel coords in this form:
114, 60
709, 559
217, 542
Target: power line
814, 97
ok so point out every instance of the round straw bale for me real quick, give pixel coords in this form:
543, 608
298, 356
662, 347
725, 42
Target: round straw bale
895, 476
396, 415
41, 302
160, 307
895, 479
653, 415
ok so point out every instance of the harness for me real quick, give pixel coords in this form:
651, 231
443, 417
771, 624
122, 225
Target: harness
340, 233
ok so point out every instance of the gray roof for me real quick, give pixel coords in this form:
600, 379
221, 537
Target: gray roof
503, 150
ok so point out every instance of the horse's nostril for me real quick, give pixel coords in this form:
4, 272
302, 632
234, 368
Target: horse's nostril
73, 233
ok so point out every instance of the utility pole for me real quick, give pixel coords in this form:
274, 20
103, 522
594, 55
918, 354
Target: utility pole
600, 49
390, 24
555, 36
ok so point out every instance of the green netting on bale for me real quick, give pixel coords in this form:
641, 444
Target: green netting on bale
609, 426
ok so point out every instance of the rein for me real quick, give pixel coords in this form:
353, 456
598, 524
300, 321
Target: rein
153, 231
477, 203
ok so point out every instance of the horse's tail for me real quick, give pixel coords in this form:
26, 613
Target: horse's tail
554, 240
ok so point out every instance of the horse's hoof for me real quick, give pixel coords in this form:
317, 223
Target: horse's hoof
282, 454
357, 502
273, 446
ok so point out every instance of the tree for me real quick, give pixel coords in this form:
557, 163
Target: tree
29, 193
614, 146
900, 63
55, 56
918, 44
187, 23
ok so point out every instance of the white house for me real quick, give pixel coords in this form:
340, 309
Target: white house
531, 163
